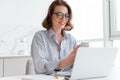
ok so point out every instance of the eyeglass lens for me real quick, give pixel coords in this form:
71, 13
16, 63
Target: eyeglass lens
61, 15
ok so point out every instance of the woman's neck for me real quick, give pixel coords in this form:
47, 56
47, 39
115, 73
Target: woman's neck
59, 35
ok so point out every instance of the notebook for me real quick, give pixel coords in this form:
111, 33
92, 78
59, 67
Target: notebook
93, 63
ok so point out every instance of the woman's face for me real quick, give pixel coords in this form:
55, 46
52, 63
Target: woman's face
60, 17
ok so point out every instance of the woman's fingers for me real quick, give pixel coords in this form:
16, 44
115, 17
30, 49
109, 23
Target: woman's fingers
70, 59
75, 49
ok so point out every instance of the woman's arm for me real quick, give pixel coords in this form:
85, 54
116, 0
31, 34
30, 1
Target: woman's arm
38, 53
69, 60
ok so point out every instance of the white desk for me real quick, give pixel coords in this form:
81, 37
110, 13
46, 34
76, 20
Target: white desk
32, 77
115, 75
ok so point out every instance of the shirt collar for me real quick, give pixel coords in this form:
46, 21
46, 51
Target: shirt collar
51, 33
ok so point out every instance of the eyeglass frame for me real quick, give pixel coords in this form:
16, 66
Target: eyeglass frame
67, 15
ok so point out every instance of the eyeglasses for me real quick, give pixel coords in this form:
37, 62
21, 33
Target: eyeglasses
61, 15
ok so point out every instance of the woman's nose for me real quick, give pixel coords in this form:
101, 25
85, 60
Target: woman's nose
63, 18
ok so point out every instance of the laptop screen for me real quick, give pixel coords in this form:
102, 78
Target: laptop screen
93, 62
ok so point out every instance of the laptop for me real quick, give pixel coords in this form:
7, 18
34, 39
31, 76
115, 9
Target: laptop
93, 63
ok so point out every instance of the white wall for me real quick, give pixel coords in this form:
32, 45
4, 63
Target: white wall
19, 19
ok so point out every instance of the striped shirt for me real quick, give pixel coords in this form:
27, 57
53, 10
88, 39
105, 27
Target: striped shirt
46, 51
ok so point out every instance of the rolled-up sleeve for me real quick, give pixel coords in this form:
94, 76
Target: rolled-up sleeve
41, 64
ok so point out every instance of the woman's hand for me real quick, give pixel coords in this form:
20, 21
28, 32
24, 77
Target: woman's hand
69, 60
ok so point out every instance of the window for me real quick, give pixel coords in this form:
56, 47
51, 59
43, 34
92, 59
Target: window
87, 19
114, 19
118, 14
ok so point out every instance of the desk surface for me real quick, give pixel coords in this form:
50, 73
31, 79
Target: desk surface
32, 77
115, 75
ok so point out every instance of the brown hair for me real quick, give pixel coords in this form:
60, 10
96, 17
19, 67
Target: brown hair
47, 23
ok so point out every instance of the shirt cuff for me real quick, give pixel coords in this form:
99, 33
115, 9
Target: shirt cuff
51, 66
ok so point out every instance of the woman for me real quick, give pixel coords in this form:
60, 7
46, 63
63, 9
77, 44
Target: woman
54, 49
